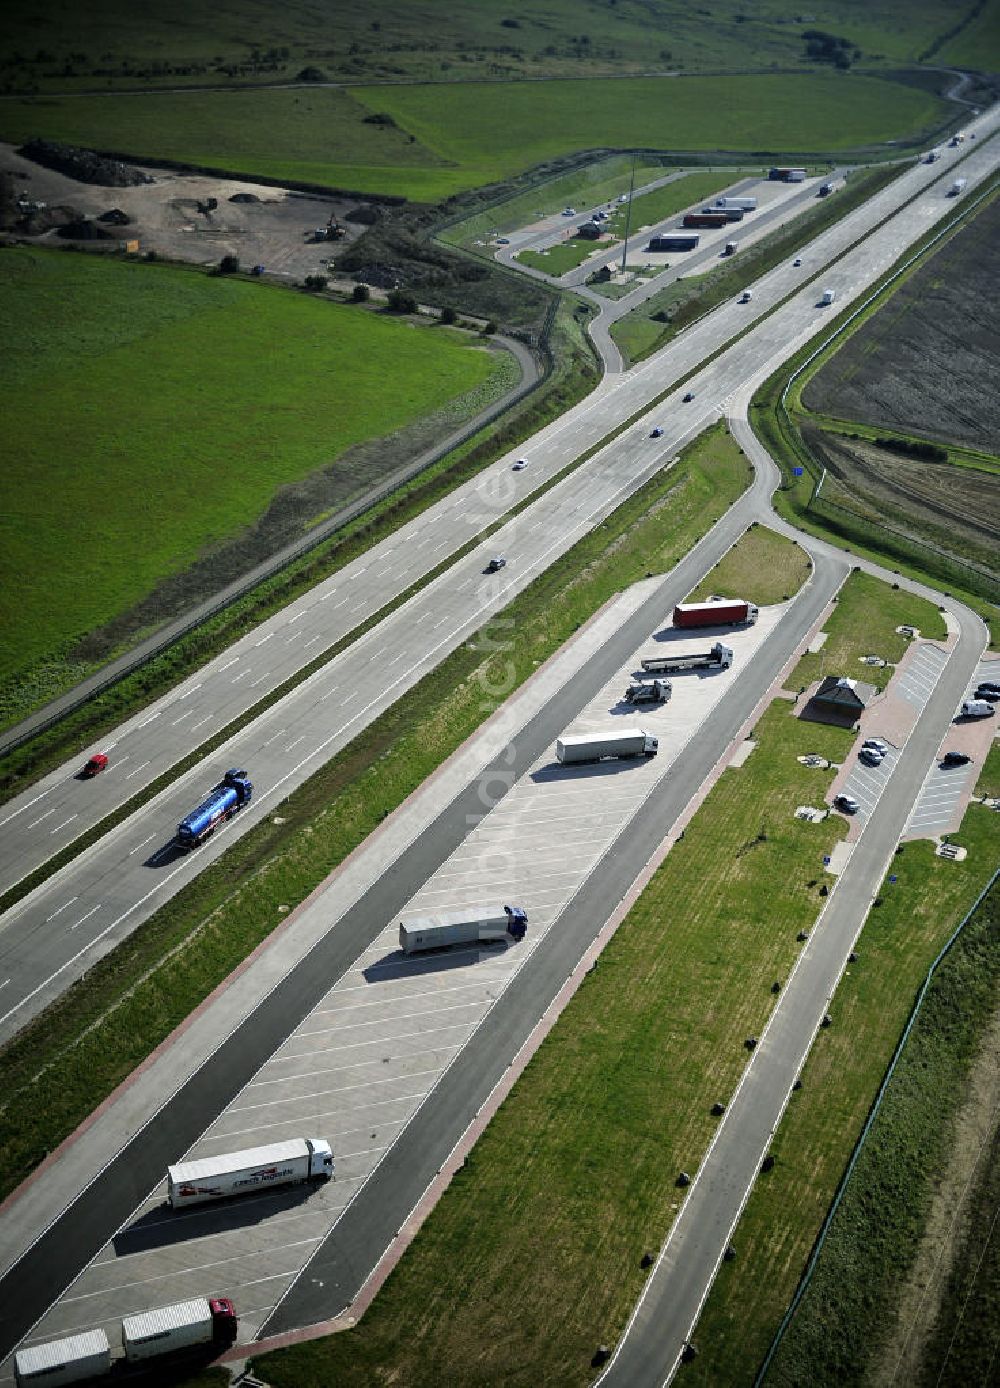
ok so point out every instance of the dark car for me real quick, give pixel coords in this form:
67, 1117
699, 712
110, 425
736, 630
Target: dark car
656, 433
689, 396
955, 759
497, 562
990, 692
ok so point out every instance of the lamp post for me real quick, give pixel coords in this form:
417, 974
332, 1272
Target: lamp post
628, 213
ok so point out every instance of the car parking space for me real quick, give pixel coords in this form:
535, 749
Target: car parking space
866, 783
942, 800
358, 1067
917, 681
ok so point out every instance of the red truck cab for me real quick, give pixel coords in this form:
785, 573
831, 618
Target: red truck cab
223, 1319
96, 765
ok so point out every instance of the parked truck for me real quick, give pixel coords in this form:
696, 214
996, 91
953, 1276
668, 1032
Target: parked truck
186, 1325
71, 1360
623, 742
747, 204
255, 1168
229, 797
957, 187
730, 248
706, 219
724, 612
720, 657
470, 925
648, 692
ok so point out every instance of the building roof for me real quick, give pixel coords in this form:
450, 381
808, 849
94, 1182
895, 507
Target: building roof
845, 693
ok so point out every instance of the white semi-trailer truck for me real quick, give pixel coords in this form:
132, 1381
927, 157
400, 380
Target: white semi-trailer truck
184, 1326
720, 657
623, 742
470, 925
256, 1168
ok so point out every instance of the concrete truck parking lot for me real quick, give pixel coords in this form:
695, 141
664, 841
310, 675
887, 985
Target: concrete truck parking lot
359, 1066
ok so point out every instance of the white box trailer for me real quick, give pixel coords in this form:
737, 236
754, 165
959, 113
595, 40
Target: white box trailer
469, 925
72, 1360
185, 1325
256, 1168
623, 742
747, 204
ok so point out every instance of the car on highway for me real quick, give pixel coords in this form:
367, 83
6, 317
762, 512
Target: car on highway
847, 804
745, 297
520, 465
689, 396
496, 563
955, 759
97, 763
656, 433
875, 744
797, 262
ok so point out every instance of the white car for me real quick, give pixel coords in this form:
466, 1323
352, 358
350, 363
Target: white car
520, 465
569, 211
876, 744
870, 757
847, 804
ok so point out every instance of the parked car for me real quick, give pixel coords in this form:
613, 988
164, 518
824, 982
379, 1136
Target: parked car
988, 691
870, 757
955, 759
97, 763
497, 562
847, 804
876, 744
569, 211
656, 433
520, 465
688, 397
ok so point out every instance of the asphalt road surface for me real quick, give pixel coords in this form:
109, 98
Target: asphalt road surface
81, 913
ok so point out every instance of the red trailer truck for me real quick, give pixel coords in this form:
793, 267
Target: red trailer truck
722, 613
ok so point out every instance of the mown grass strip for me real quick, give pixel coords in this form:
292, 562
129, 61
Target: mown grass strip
762, 567
820, 1127
55, 1071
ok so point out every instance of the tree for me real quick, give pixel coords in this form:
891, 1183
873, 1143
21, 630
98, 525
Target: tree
229, 265
316, 282
490, 329
361, 293
399, 301
448, 315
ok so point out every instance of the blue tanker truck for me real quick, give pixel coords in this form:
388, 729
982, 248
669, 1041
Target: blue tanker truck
228, 798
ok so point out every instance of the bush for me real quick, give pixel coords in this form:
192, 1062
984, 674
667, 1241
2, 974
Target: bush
360, 294
448, 315
490, 329
229, 265
399, 301
316, 282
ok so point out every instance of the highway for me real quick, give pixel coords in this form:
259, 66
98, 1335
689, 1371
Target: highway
83, 911
548, 526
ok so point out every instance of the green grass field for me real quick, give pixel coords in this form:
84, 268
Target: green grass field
561, 258
151, 413
864, 622
54, 45
762, 567
469, 134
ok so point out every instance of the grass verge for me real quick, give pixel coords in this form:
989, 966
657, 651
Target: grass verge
664, 315
844, 1313
55, 1072
762, 567
573, 376
650, 1041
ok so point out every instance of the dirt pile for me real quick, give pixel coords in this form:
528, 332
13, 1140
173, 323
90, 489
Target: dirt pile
83, 165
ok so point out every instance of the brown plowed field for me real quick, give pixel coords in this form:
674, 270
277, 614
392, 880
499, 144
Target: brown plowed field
928, 363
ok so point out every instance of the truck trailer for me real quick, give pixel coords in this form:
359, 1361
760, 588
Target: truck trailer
733, 214
255, 1168
720, 657
747, 204
715, 614
957, 187
472, 925
624, 742
232, 793
706, 219
186, 1325
71, 1360
674, 241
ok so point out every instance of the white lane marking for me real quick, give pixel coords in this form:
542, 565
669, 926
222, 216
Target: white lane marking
87, 916
41, 817
254, 683
200, 721
63, 824
312, 641
122, 760
227, 664
297, 618
295, 743
294, 637
188, 692
24, 807
241, 677
273, 738
182, 718
341, 603
141, 767
150, 719
60, 908
329, 694
137, 848
4, 983
264, 638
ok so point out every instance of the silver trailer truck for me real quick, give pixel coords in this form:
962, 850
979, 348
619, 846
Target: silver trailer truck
623, 742
720, 657
255, 1168
72, 1360
747, 204
183, 1326
468, 926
